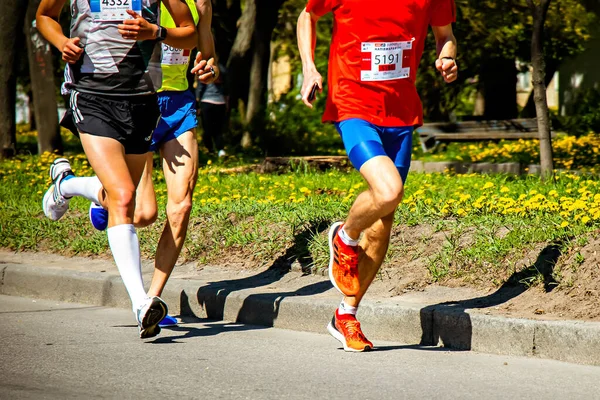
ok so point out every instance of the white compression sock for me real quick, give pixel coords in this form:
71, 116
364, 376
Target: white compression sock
347, 239
87, 187
125, 247
346, 309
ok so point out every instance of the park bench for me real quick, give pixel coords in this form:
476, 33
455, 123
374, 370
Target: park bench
434, 135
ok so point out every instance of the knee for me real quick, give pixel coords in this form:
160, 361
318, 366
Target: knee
121, 200
179, 211
389, 196
144, 217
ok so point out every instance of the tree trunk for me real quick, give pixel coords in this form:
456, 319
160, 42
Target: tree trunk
11, 20
238, 65
259, 70
30, 110
248, 62
43, 87
499, 81
226, 14
529, 109
539, 86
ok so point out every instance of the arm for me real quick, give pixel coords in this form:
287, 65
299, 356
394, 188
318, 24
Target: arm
206, 43
446, 49
205, 60
182, 37
47, 23
307, 41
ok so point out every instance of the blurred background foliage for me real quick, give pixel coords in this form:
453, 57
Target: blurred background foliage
494, 46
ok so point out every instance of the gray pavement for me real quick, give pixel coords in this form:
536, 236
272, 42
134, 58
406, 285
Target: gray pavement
57, 350
288, 299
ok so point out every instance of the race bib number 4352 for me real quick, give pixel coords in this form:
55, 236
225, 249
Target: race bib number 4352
383, 61
114, 10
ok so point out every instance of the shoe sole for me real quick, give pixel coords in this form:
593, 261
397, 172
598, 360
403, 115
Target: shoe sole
156, 312
150, 332
332, 231
338, 335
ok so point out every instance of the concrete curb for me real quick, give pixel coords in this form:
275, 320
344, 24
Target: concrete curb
272, 164
441, 325
512, 168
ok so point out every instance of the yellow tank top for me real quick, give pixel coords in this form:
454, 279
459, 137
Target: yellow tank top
175, 62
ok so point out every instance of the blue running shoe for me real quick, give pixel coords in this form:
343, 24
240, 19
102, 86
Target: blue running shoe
98, 216
168, 321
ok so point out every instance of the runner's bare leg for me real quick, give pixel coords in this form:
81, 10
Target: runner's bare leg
373, 248
146, 209
180, 166
383, 196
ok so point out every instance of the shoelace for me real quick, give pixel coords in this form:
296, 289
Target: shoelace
348, 259
353, 328
59, 200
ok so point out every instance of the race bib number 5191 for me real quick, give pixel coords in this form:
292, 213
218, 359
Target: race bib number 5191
114, 10
383, 61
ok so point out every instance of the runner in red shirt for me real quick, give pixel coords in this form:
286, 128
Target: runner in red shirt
375, 51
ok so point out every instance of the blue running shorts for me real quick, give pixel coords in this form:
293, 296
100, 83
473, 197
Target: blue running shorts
178, 115
364, 140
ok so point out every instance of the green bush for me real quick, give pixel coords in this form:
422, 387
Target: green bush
294, 129
586, 117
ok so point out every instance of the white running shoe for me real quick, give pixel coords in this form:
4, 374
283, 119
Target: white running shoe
149, 315
55, 205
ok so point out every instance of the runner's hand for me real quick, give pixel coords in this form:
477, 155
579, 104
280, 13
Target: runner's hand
71, 52
310, 79
137, 28
206, 71
447, 68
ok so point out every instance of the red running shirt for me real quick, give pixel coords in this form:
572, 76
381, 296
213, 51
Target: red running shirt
376, 47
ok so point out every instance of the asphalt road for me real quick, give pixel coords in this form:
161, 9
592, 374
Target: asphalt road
58, 351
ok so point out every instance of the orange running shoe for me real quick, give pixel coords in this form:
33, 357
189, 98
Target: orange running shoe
343, 263
346, 329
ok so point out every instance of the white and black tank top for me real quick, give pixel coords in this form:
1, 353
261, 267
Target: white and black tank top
110, 64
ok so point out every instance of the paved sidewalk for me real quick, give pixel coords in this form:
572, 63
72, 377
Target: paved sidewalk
55, 350
289, 299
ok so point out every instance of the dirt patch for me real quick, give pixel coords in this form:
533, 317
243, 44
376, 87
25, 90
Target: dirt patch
546, 281
563, 283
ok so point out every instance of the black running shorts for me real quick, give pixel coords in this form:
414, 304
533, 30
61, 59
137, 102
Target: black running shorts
129, 120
